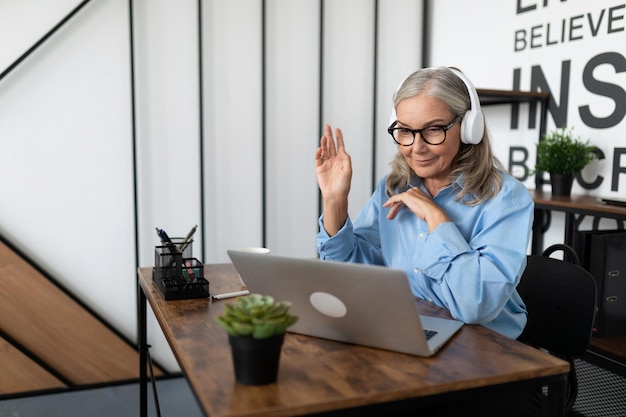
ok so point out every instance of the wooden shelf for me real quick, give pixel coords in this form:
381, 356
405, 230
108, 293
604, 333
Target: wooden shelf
491, 97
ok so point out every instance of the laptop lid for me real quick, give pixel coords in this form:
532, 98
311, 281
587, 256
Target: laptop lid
354, 303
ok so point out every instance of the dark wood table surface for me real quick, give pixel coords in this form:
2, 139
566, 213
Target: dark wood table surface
320, 376
579, 204
575, 207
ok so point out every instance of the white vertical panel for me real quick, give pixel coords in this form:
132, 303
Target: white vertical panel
292, 125
232, 62
399, 54
166, 60
168, 139
348, 86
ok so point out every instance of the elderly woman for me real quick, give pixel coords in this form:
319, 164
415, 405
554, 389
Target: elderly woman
447, 213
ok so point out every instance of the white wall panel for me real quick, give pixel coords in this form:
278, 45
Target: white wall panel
293, 130
167, 133
348, 86
233, 170
168, 137
399, 54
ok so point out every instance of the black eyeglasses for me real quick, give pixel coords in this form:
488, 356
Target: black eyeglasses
432, 135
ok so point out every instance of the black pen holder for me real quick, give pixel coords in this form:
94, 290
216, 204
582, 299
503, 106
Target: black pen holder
168, 262
176, 277
188, 248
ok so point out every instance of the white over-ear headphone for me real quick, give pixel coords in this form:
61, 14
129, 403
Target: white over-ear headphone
473, 123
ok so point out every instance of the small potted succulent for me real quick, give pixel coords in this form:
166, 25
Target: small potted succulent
563, 155
256, 326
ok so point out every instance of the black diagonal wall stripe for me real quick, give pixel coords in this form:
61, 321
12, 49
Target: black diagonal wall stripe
44, 38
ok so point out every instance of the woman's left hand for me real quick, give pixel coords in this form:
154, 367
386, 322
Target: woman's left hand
419, 204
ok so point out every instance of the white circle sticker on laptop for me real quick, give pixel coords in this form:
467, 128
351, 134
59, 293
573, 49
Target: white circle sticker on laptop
328, 304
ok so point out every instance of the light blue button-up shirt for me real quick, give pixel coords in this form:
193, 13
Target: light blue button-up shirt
470, 266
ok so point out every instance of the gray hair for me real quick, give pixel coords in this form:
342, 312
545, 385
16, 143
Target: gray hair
476, 163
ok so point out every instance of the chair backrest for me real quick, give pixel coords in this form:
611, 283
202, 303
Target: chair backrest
560, 298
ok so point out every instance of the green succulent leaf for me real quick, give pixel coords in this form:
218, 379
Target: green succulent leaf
258, 316
263, 331
242, 329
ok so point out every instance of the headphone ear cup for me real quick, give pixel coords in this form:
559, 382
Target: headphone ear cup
472, 127
473, 123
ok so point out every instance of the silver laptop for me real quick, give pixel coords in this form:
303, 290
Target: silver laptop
355, 303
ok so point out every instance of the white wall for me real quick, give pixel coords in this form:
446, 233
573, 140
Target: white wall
76, 185
570, 43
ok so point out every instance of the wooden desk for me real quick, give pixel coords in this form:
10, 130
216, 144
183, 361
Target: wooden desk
575, 209
323, 376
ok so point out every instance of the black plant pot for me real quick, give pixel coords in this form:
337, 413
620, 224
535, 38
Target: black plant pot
561, 184
256, 360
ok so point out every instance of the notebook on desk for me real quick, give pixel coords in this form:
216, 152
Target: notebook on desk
613, 201
354, 303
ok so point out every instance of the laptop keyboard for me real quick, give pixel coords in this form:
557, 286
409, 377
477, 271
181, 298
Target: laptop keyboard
430, 333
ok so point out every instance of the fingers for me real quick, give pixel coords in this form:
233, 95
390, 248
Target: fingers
330, 144
340, 144
394, 199
394, 210
394, 204
319, 157
329, 149
322, 152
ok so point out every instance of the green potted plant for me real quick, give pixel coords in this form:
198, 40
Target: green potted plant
563, 155
256, 326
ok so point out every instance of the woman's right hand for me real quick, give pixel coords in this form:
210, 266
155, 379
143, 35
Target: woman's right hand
333, 166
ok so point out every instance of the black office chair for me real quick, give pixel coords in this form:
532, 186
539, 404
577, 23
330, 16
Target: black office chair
560, 298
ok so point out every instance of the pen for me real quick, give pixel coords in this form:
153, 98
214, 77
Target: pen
168, 242
230, 294
163, 236
187, 240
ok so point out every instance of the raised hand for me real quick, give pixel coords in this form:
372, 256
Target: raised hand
333, 165
333, 168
